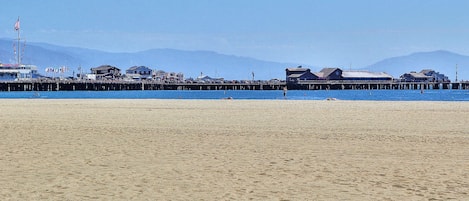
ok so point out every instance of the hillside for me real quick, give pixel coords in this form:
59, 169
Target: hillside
191, 63
440, 61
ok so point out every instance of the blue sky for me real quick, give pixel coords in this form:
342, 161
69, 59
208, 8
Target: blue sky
340, 33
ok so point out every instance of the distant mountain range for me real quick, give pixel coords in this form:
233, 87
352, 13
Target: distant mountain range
441, 61
193, 63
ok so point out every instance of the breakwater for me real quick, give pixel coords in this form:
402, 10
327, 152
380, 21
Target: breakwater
81, 85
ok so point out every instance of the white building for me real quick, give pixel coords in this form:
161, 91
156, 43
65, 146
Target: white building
11, 72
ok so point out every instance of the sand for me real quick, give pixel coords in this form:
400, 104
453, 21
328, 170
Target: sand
233, 150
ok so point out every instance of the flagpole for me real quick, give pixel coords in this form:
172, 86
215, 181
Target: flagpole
19, 49
17, 27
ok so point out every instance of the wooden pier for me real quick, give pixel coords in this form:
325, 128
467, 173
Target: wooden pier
82, 85
375, 85
75, 85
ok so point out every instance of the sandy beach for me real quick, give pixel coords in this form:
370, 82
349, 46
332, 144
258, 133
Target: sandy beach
233, 150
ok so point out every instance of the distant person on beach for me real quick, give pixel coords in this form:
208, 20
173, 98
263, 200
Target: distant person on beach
284, 92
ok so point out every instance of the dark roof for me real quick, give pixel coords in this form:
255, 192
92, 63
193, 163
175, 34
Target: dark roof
319, 74
418, 75
105, 67
295, 75
328, 71
305, 74
133, 68
426, 71
298, 69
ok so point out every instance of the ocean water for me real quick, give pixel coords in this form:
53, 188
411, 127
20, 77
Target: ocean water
374, 95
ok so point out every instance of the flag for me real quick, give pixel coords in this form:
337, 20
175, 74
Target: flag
17, 24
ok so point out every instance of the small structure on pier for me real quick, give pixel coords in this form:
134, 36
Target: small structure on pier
163, 76
299, 73
104, 72
18, 71
426, 75
207, 79
10, 72
139, 73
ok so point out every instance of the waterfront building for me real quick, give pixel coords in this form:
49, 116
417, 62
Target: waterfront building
299, 73
436, 76
15, 72
414, 77
18, 71
330, 74
105, 72
139, 73
366, 76
163, 76
294, 75
208, 79
426, 75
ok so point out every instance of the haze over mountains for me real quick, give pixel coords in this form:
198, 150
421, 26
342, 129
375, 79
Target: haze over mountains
193, 63
441, 61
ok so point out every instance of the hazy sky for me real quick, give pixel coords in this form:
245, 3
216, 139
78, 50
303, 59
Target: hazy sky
324, 33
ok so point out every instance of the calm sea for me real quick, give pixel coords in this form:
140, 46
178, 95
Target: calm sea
375, 95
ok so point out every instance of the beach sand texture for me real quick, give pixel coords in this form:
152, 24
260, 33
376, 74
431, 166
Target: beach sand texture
233, 150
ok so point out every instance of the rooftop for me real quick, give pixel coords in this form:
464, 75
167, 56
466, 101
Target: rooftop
367, 74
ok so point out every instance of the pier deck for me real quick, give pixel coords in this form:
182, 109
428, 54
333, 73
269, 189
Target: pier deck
80, 85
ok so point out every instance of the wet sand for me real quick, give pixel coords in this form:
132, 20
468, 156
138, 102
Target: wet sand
233, 150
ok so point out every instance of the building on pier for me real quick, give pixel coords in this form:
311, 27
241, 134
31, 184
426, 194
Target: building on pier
104, 72
295, 75
426, 75
207, 79
10, 72
330, 74
366, 76
162, 76
18, 71
139, 73
299, 73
